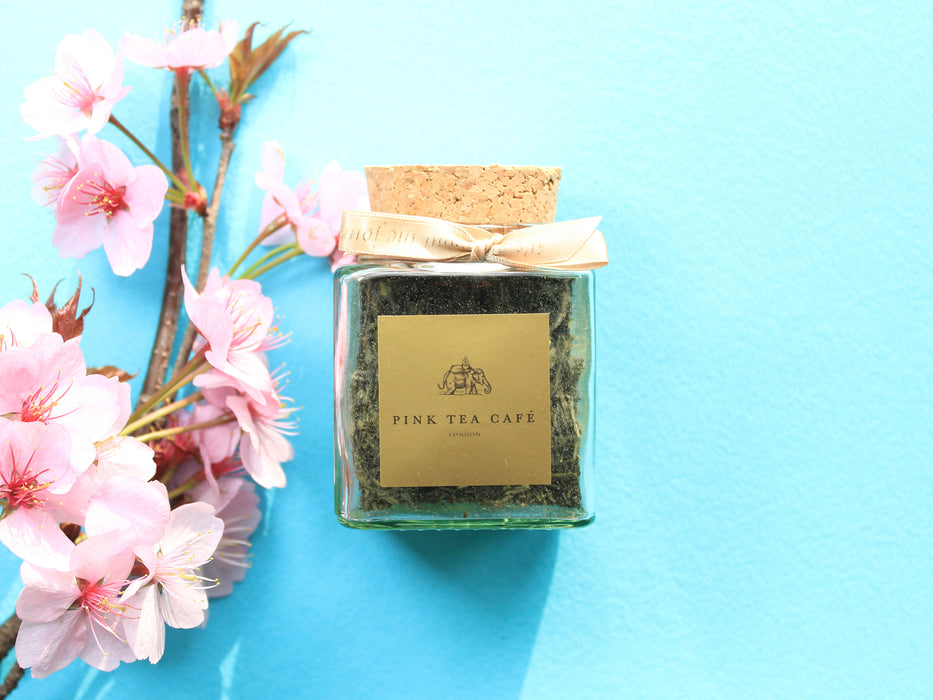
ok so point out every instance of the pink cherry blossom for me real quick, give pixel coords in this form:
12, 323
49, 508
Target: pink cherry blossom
109, 202
263, 446
129, 504
22, 323
82, 91
236, 503
280, 199
47, 382
122, 455
116, 455
313, 214
52, 175
216, 444
77, 612
341, 190
235, 320
34, 471
188, 45
264, 424
173, 593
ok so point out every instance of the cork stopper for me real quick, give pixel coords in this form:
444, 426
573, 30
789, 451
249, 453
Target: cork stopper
466, 194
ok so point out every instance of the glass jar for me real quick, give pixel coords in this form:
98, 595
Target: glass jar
463, 396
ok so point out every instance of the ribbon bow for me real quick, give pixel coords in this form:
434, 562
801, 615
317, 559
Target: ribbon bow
565, 245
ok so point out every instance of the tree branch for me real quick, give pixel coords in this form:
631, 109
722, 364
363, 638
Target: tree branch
172, 292
11, 681
178, 242
210, 226
8, 632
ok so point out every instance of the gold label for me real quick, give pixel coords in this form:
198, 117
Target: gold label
464, 400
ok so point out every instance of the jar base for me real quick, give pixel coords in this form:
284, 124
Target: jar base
466, 524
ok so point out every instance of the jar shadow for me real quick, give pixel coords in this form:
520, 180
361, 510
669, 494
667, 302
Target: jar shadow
493, 587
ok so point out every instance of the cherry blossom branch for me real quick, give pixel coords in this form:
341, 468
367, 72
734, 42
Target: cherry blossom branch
208, 230
171, 306
210, 220
178, 242
8, 632
11, 681
247, 64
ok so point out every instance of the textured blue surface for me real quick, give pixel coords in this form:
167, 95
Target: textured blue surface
765, 396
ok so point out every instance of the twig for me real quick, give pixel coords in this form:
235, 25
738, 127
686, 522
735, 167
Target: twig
8, 632
210, 226
171, 305
11, 681
210, 219
192, 9
178, 242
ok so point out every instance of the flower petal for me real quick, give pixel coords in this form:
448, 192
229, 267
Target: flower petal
147, 196
22, 323
47, 594
124, 502
273, 160
194, 530
76, 235
34, 536
125, 456
46, 647
144, 51
90, 51
106, 649
315, 237
104, 557
182, 604
340, 190
117, 167
146, 634
127, 245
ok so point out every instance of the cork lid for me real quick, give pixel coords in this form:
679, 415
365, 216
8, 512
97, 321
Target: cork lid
466, 194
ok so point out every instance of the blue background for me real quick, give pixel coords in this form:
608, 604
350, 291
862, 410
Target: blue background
765, 388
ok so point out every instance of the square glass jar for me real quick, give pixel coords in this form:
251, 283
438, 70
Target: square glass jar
463, 396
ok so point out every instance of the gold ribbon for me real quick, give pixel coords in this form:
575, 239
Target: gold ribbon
565, 245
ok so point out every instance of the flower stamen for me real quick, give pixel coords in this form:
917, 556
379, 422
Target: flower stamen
101, 602
39, 405
23, 489
75, 90
101, 197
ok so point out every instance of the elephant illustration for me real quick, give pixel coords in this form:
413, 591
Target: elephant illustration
464, 379
478, 378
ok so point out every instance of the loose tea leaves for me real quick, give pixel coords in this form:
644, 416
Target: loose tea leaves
447, 294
